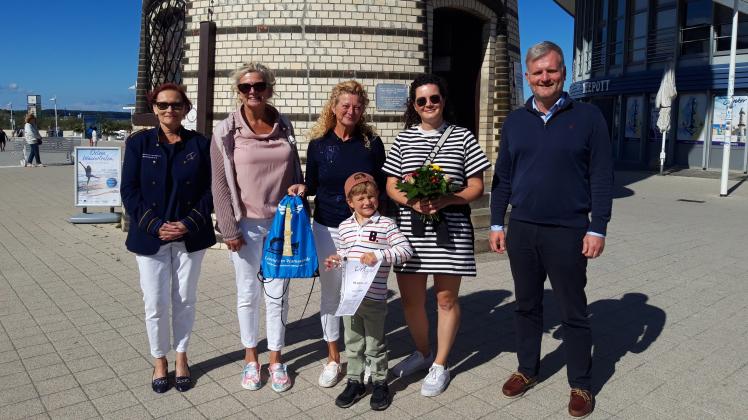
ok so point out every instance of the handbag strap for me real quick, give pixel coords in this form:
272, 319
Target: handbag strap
445, 135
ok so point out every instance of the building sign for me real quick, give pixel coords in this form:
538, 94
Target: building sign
391, 97
34, 104
691, 118
634, 117
98, 173
719, 113
596, 87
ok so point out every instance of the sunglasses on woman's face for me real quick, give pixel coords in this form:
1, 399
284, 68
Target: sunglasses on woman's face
176, 106
434, 99
259, 87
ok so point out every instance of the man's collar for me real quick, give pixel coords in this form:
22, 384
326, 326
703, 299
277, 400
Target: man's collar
557, 105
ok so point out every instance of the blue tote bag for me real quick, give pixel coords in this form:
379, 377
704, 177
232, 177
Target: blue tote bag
289, 250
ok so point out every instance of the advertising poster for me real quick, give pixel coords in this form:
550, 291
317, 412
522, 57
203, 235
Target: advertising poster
692, 118
719, 113
634, 117
98, 173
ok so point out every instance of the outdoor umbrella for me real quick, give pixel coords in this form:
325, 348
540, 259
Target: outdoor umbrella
664, 101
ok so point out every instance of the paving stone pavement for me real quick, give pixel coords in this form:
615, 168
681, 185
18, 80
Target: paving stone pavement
668, 304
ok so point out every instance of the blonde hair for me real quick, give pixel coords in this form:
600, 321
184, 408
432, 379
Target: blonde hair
267, 76
363, 188
29, 117
327, 120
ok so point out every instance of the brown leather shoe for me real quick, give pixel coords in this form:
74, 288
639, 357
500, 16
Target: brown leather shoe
581, 403
517, 385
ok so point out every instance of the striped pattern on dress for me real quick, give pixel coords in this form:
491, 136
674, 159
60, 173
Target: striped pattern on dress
460, 157
381, 236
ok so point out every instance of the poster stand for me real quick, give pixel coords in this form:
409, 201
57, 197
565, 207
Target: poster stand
97, 177
95, 218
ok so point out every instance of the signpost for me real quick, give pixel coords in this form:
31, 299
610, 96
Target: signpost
98, 174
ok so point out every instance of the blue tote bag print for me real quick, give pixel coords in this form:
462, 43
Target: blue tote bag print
289, 250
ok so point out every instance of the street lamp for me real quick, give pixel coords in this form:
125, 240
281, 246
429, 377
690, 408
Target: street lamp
12, 120
55, 101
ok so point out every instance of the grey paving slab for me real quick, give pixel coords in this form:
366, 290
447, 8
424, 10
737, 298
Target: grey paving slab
72, 339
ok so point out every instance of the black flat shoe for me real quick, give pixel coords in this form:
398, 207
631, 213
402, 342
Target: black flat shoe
159, 385
183, 383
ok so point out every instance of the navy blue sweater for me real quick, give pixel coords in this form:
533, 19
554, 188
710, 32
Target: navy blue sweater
556, 173
329, 162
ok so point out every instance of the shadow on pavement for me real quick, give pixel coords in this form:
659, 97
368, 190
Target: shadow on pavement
619, 327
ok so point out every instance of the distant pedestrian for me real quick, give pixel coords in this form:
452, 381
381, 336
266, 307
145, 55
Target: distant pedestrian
555, 167
166, 191
33, 140
3, 139
94, 138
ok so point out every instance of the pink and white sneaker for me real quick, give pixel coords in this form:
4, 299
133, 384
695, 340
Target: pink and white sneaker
251, 377
279, 377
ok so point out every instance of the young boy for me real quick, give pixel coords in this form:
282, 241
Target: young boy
368, 237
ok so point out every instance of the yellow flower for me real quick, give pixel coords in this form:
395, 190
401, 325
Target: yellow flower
435, 167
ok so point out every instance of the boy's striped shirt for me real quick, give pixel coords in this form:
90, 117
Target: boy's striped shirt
380, 235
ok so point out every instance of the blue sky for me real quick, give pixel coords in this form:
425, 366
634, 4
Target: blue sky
85, 52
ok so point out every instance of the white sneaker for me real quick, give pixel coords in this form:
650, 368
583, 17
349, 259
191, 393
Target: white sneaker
435, 382
412, 364
330, 375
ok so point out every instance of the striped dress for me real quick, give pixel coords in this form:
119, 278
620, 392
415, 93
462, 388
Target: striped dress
460, 157
379, 235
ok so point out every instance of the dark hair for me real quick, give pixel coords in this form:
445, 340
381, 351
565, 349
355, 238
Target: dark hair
410, 116
152, 95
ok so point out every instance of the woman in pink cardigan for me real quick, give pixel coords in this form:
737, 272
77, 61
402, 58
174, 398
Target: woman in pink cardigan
255, 163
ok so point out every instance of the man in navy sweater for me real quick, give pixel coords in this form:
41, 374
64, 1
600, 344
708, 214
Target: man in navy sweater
555, 168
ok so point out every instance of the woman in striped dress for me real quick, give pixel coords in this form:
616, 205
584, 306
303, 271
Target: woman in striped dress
444, 250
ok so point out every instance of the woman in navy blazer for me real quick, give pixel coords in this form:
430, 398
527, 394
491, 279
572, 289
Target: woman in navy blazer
166, 192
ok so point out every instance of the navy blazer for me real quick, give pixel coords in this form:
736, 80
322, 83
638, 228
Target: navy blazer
145, 172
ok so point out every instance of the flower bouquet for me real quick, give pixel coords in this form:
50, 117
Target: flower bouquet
427, 182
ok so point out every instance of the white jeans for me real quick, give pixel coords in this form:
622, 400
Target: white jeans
169, 276
326, 241
249, 290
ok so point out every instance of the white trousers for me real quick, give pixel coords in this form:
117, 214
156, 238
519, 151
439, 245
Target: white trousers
169, 277
326, 240
249, 290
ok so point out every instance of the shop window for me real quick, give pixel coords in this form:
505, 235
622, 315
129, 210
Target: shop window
692, 114
738, 120
617, 33
660, 47
723, 28
599, 53
637, 45
696, 28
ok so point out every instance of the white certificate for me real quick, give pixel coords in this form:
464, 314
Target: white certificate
357, 279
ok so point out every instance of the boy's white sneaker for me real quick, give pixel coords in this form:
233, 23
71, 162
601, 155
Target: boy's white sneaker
435, 382
412, 364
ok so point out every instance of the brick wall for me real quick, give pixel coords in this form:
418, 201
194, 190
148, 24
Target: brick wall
314, 44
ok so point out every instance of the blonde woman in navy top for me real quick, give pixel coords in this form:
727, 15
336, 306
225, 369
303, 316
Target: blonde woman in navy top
343, 143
